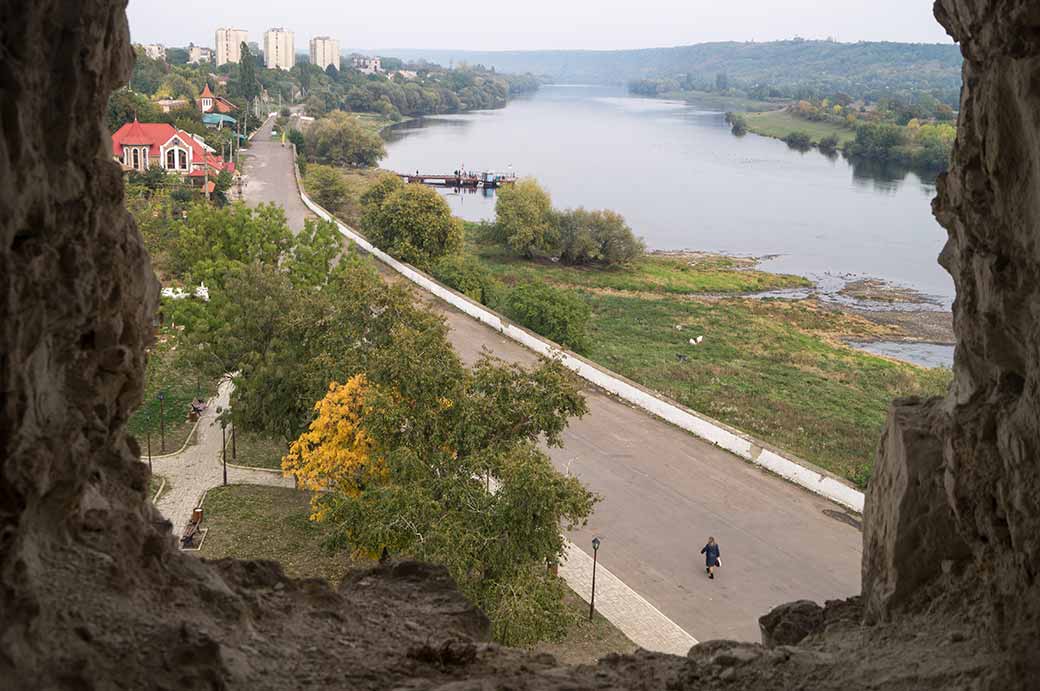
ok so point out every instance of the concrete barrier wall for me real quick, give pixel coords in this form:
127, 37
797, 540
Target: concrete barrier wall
710, 430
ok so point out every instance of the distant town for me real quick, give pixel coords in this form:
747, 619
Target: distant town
279, 52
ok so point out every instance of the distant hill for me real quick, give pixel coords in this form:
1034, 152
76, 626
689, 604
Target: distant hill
824, 66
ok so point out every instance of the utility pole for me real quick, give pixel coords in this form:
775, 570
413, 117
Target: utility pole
162, 421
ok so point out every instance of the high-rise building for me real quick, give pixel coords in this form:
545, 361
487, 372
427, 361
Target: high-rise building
324, 52
229, 45
279, 51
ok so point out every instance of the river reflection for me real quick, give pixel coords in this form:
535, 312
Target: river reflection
684, 181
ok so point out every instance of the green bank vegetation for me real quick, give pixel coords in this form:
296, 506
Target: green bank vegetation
775, 369
918, 135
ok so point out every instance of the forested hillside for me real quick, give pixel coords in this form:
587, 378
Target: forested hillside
791, 68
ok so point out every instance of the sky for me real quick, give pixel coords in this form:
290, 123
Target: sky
536, 24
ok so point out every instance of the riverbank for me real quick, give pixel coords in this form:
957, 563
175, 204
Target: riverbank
779, 369
781, 124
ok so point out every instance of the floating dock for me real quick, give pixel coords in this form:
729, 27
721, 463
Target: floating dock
461, 179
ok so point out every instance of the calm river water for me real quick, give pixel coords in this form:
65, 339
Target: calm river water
684, 182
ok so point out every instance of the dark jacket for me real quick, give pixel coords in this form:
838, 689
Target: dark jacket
711, 554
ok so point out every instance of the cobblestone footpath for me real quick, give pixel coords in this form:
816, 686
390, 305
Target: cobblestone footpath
198, 468
623, 607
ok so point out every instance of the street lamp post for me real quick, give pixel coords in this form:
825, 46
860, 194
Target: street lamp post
234, 448
595, 554
162, 421
223, 443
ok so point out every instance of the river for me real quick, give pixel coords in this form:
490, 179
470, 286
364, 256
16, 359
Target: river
683, 181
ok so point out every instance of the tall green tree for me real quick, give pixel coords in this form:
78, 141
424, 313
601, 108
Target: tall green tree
525, 219
413, 223
247, 81
326, 185
339, 139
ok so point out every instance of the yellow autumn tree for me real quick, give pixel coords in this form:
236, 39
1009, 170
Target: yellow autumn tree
334, 454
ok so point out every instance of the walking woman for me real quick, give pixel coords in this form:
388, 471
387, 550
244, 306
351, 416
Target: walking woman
711, 557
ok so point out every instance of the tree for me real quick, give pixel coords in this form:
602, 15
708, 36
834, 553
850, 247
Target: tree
325, 184
176, 56
721, 82
413, 223
559, 315
468, 276
297, 139
124, 105
210, 240
601, 237
799, 140
247, 83
524, 213
828, 144
339, 139
430, 460
176, 86
314, 252
738, 123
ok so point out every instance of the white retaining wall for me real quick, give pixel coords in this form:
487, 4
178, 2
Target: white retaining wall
820, 483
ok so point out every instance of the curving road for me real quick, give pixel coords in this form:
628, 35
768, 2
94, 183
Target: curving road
664, 490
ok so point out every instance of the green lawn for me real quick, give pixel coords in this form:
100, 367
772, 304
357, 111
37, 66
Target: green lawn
167, 374
254, 522
655, 273
256, 451
780, 123
773, 369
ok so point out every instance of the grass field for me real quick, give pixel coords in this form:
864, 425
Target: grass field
780, 123
775, 369
257, 451
253, 522
177, 382
654, 273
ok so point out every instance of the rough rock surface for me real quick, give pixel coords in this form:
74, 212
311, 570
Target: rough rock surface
94, 594
790, 623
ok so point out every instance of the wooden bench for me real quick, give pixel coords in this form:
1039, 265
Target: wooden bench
192, 529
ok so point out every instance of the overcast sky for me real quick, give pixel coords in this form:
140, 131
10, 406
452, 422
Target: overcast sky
536, 24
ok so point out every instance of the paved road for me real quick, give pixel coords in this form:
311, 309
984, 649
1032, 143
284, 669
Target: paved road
664, 491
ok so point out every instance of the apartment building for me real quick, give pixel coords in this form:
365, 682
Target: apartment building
156, 51
229, 45
197, 54
324, 52
279, 49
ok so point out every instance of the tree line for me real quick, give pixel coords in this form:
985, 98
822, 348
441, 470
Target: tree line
409, 452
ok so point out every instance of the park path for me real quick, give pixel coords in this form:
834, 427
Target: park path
664, 492
198, 467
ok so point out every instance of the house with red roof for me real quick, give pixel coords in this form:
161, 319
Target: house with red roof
143, 145
208, 103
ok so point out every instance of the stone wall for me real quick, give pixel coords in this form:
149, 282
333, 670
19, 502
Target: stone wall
94, 594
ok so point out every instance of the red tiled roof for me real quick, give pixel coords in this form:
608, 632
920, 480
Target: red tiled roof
155, 134
206, 93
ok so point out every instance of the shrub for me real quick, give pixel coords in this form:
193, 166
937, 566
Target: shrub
326, 186
738, 123
828, 144
558, 315
467, 276
603, 237
799, 140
